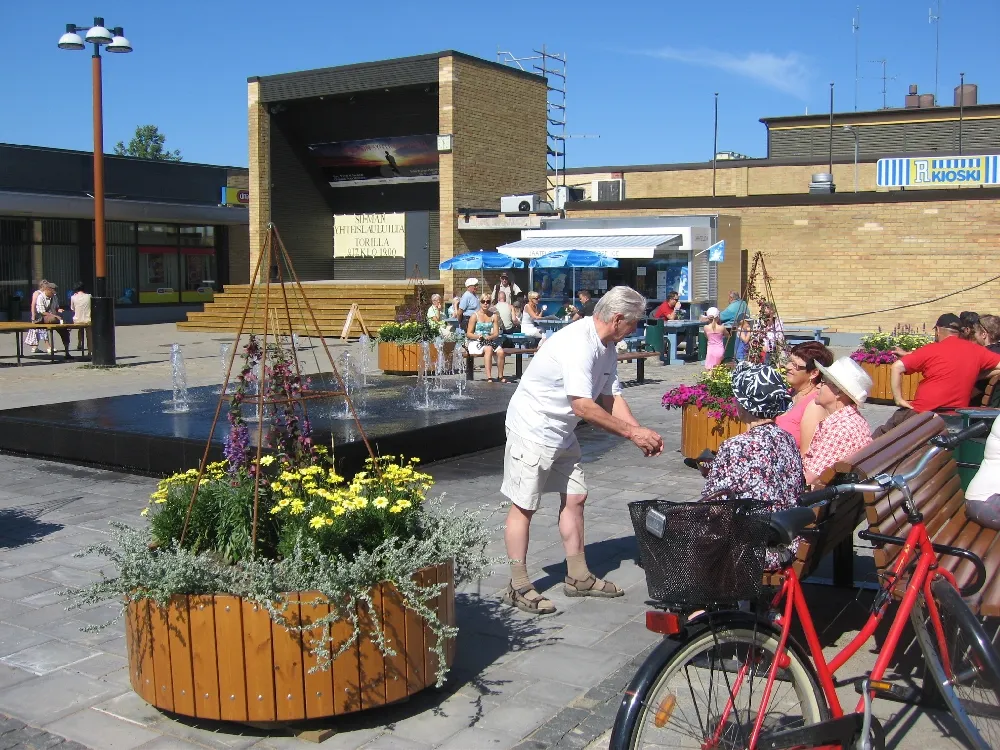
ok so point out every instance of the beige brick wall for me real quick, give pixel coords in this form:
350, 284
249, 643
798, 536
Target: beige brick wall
259, 123
498, 120
843, 259
729, 181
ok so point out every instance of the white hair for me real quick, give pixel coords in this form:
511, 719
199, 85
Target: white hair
621, 300
435, 297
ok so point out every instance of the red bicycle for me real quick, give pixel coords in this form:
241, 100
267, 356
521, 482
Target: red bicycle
732, 678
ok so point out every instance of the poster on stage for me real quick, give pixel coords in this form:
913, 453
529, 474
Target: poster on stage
378, 161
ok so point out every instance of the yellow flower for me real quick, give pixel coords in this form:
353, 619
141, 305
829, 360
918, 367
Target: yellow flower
276, 509
395, 509
317, 522
287, 476
338, 510
381, 502
283, 502
277, 486
298, 507
361, 502
145, 512
404, 503
267, 460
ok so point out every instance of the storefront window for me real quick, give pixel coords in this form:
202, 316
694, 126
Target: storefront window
197, 236
15, 261
199, 274
157, 234
658, 276
60, 255
159, 274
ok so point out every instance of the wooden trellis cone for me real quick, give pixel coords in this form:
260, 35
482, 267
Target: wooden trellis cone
760, 331
273, 255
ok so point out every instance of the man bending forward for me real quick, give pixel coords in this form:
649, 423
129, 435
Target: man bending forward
573, 377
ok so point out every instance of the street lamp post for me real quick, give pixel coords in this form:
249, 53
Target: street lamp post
102, 306
853, 131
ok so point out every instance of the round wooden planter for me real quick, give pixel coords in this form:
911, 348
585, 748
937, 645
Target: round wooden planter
700, 431
222, 657
882, 384
404, 359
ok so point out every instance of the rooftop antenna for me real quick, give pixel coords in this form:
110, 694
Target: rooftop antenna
883, 62
936, 20
855, 29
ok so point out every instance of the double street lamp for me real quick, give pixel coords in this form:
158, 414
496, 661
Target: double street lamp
102, 306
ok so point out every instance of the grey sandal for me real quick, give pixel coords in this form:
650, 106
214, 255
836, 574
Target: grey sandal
592, 586
538, 605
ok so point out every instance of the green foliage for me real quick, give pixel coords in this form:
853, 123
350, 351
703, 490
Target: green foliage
410, 331
906, 340
147, 143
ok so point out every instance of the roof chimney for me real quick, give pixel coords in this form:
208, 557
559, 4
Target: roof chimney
966, 95
912, 99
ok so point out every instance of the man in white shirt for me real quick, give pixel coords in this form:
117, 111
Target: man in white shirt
79, 303
468, 304
573, 377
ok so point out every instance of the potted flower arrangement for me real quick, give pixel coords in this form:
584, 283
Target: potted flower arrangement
708, 411
400, 343
267, 587
879, 350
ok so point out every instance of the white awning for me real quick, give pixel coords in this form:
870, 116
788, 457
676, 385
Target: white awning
641, 246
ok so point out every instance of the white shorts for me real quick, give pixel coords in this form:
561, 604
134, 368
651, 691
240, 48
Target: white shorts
530, 469
477, 347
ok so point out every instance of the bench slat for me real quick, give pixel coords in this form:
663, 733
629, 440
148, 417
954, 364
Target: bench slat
886, 513
988, 599
939, 519
883, 453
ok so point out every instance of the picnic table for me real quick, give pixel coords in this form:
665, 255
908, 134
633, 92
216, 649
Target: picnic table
676, 331
19, 327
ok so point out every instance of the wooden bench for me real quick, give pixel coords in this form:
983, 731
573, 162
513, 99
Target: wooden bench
991, 396
518, 352
938, 495
19, 327
640, 362
794, 336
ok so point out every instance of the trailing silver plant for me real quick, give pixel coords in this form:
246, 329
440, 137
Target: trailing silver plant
148, 572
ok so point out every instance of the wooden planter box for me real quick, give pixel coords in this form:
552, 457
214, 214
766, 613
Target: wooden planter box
404, 359
222, 657
882, 384
700, 431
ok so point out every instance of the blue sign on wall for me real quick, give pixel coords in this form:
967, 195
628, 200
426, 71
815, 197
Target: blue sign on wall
717, 252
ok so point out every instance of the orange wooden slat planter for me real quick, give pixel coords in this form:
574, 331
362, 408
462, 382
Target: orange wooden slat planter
700, 431
222, 657
882, 384
404, 359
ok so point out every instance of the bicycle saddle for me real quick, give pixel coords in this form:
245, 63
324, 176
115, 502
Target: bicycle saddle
785, 525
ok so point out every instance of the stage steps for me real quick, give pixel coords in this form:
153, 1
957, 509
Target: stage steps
380, 302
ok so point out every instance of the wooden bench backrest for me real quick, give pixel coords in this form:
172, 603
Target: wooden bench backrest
938, 491
988, 391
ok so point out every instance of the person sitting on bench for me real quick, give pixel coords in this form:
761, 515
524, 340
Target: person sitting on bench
842, 388
982, 499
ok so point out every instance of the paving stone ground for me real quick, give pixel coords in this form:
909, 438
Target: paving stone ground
518, 682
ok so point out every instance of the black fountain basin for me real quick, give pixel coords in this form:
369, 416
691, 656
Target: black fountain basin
133, 434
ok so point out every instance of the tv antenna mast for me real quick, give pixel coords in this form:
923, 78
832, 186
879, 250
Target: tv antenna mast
936, 20
883, 62
856, 29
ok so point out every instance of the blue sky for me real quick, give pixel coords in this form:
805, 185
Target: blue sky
641, 74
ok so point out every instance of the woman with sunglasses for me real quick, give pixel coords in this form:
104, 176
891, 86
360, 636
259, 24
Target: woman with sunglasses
842, 388
802, 377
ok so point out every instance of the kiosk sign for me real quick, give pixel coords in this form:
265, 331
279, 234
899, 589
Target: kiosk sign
938, 173
369, 236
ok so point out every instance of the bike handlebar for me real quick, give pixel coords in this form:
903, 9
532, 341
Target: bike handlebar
942, 549
953, 439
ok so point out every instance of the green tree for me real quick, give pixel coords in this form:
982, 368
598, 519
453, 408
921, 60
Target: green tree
147, 143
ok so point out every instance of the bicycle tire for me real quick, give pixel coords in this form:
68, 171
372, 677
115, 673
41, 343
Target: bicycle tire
797, 680
970, 686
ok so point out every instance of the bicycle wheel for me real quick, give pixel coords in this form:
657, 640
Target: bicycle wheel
962, 663
689, 705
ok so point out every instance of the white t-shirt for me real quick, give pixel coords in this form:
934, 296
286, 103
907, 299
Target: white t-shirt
987, 480
573, 362
79, 303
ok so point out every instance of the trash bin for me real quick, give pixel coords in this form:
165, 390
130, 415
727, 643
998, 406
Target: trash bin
702, 346
654, 335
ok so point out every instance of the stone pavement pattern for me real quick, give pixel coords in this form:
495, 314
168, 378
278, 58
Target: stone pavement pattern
518, 682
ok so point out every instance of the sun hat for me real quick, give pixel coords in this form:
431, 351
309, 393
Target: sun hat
471, 281
761, 390
847, 377
712, 312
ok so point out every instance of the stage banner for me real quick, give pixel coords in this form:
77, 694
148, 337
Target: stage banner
369, 236
378, 161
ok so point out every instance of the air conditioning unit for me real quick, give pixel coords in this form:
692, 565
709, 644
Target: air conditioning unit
523, 204
608, 190
567, 194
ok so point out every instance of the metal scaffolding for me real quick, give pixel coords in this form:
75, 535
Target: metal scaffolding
552, 66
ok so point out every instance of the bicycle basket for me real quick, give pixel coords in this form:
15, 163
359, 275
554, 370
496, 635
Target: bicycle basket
701, 554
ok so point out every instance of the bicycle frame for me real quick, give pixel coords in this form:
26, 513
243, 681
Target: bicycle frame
791, 600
